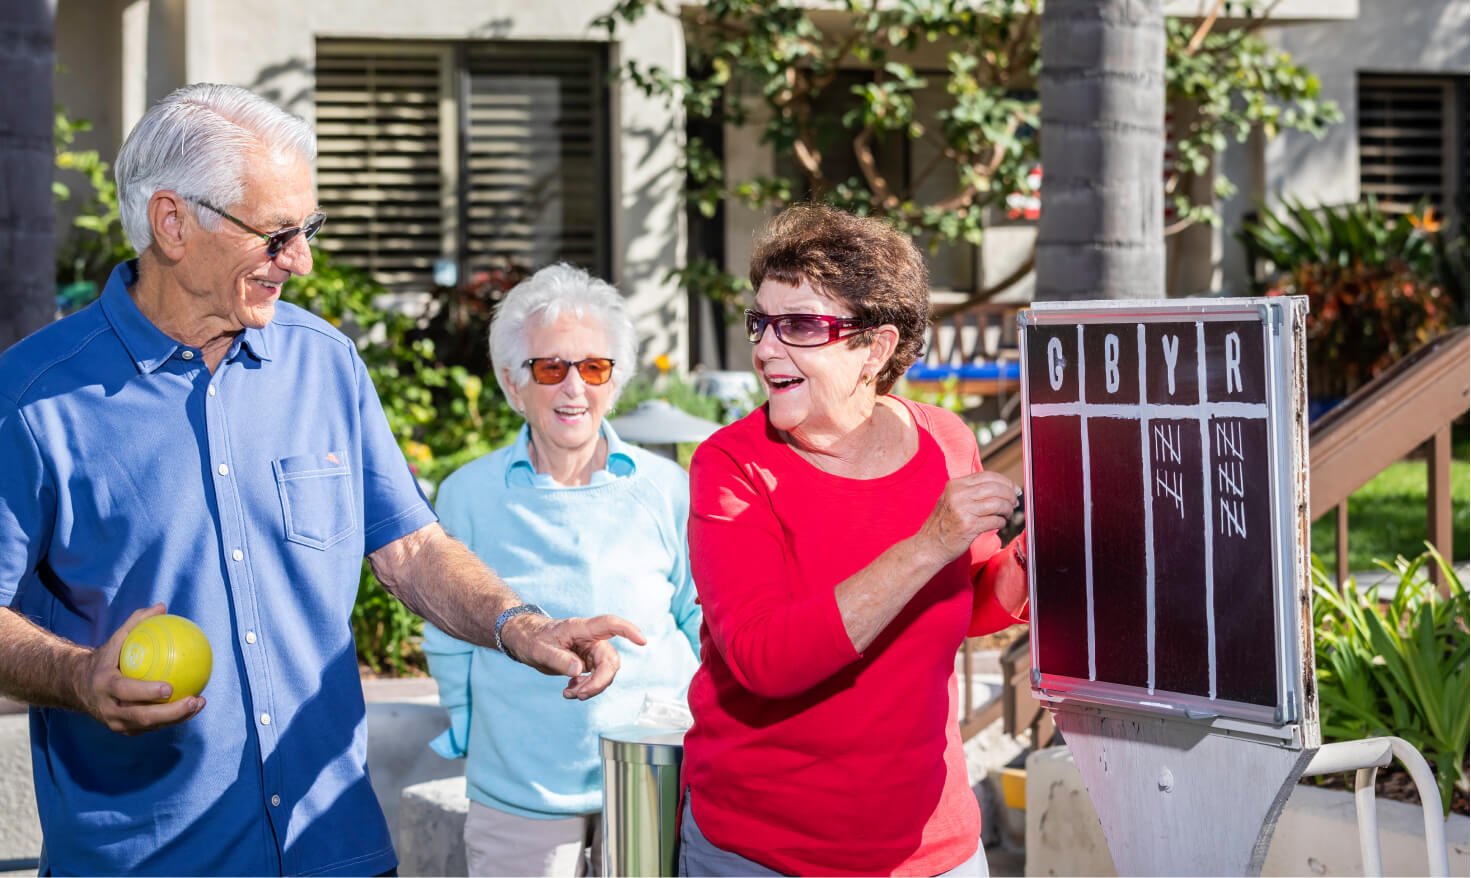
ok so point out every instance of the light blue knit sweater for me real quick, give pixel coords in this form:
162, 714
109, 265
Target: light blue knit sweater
616, 545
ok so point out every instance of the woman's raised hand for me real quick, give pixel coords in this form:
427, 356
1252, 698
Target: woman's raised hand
969, 506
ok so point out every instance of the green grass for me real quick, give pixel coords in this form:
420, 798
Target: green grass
1386, 517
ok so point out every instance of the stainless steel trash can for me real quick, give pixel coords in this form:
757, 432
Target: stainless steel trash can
641, 800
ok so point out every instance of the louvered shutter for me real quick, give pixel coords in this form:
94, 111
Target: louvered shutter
536, 176
1405, 149
378, 166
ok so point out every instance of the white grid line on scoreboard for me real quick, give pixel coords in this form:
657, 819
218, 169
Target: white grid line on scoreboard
1146, 472
1152, 411
1206, 513
1087, 515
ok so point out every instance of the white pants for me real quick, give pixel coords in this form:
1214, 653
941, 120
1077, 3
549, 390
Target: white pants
498, 843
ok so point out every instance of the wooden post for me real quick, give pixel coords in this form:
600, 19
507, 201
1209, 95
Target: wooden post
1340, 541
1438, 500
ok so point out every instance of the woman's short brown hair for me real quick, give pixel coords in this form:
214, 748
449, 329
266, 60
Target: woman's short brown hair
861, 261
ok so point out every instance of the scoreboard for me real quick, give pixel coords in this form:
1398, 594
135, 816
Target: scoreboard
1166, 502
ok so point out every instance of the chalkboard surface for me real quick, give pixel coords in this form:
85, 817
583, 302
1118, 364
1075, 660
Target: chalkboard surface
1152, 507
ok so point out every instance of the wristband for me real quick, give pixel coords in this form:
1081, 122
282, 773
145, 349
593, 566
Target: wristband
508, 615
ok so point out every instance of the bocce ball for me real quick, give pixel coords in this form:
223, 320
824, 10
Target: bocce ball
171, 649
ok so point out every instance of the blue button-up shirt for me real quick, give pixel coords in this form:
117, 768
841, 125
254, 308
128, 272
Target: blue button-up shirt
244, 500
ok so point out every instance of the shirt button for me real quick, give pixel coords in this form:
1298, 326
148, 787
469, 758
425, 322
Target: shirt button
238, 555
250, 637
265, 719
224, 470
211, 390
276, 800
188, 355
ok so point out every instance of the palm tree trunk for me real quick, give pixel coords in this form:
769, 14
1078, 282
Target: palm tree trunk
27, 156
1101, 234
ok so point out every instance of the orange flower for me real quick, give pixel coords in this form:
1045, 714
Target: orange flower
1427, 223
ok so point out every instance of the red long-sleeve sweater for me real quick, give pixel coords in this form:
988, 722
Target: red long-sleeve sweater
806, 756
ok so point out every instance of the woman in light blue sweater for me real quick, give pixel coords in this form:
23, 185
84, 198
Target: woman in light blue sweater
578, 523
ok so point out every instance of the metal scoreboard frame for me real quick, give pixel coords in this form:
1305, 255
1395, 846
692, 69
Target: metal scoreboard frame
1292, 720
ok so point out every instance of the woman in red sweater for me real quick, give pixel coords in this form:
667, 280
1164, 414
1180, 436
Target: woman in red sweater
844, 544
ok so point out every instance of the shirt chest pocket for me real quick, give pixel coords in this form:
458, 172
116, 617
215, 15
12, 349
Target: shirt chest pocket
316, 498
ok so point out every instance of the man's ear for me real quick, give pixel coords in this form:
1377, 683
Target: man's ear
168, 220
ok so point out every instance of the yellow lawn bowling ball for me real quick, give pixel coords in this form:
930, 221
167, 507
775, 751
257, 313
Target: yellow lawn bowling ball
168, 648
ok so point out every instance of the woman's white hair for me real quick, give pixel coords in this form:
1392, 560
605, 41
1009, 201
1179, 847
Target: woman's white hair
196, 141
541, 299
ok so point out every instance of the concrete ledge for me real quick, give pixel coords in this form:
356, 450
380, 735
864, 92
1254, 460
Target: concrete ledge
399, 733
1317, 834
20, 829
431, 828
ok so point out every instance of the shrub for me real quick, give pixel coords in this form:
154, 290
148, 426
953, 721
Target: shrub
96, 243
673, 389
1397, 667
442, 414
1375, 283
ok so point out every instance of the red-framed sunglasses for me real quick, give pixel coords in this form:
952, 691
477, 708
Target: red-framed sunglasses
802, 330
553, 370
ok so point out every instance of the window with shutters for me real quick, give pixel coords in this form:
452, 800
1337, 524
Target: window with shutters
1412, 141
465, 156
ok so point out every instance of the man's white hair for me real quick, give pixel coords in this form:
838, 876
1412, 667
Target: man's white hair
540, 300
196, 141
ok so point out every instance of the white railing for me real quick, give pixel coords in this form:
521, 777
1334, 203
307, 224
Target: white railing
1365, 758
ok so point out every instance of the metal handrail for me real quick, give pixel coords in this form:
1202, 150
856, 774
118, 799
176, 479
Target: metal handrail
1365, 758
1411, 405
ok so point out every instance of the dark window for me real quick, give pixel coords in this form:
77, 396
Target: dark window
475, 155
1412, 141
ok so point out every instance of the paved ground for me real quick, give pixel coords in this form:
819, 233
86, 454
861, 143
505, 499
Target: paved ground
1006, 862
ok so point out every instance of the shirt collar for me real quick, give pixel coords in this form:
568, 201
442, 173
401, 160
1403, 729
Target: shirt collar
520, 472
146, 344
149, 346
257, 341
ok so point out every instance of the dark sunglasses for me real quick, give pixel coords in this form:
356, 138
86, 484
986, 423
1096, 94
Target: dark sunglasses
802, 330
553, 370
275, 241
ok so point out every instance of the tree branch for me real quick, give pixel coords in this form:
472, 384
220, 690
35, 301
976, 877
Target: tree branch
941, 153
959, 200
1178, 226
1023, 29
1205, 28
986, 294
863, 150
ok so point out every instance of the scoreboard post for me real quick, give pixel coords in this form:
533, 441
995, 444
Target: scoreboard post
1167, 526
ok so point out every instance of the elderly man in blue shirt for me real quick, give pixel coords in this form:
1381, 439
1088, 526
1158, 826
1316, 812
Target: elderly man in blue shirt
188, 442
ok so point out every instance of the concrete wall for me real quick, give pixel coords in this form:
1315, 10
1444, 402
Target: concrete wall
399, 733
1387, 36
20, 830
1317, 834
124, 54
431, 829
